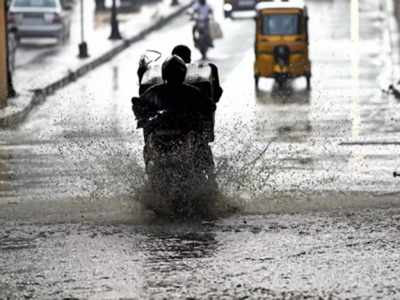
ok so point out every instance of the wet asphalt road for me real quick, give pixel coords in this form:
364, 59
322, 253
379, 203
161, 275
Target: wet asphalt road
309, 172
334, 255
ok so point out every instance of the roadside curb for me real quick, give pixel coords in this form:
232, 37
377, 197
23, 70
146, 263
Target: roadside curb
13, 114
16, 112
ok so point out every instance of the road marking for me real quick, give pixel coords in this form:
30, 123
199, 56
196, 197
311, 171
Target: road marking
371, 143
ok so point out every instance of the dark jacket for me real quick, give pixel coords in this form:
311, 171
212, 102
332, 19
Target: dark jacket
173, 107
216, 85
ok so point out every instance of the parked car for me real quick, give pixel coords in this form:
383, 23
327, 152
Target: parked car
40, 19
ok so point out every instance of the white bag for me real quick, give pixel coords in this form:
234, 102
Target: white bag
215, 30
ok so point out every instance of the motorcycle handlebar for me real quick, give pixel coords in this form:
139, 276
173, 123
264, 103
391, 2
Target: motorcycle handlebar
145, 60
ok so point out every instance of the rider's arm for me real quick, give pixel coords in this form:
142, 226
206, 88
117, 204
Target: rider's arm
138, 110
142, 111
216, 84
207, 109
142, 68
144, 107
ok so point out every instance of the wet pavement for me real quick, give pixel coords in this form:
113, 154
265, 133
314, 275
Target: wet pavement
308, 173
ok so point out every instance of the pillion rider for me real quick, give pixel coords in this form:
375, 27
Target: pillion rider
185, 54
182, 51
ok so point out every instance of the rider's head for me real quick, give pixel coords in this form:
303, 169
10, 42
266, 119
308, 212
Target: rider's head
183, 52
173, 70
202, 2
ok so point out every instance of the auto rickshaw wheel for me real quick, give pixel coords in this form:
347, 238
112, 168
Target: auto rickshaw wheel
256, 80
308, 78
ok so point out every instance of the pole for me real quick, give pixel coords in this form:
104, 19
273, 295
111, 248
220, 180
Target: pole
3, 58
83, 48
115, 34
11, 90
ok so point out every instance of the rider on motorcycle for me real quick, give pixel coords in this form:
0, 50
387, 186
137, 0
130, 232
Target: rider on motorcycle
182, 51
172, 105
201, 13
185, 53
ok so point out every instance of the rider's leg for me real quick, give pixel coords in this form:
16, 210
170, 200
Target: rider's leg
206, 164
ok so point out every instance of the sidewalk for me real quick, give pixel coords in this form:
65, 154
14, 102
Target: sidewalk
34, 84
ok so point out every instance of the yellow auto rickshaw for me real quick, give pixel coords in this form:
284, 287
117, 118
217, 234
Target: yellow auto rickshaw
281, 45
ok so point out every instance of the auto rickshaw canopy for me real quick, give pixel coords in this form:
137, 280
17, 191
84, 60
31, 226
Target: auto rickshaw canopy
296, 4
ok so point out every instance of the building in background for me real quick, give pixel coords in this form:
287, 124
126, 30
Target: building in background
3, 56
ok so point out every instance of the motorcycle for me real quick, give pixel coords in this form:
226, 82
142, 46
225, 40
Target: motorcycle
176, 173
178, 163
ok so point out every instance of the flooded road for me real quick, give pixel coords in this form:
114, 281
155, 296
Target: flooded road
336, 255
308, 173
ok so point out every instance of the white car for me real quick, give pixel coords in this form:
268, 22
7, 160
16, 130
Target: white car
40, 18
231, 6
